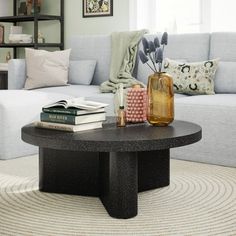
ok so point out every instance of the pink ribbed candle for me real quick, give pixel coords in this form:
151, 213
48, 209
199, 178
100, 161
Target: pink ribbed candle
136, 108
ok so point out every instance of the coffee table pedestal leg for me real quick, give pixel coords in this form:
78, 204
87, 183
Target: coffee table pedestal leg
119, 183
115, 177
153, 169
69, 172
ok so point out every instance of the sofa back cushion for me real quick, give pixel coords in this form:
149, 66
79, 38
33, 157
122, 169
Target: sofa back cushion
93, 47
81, 72
223, 46
189, 47
225, 78
181, 47
16, 73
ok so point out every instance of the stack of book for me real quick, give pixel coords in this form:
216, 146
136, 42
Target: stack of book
72, 115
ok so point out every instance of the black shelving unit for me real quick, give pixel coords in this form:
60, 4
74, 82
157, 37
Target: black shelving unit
35, 18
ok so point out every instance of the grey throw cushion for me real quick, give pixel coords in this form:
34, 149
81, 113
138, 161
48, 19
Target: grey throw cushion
225, 79
192, 78
81, 71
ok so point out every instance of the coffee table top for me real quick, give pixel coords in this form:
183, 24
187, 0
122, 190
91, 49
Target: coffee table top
134, 137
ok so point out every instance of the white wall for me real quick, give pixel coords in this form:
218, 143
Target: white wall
75, 24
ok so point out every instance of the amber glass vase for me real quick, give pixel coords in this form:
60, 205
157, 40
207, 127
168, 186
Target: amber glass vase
160, 107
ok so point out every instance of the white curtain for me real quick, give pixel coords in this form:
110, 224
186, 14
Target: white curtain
223, 17
183, 16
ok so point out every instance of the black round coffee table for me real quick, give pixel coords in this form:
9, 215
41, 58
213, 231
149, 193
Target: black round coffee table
111, 163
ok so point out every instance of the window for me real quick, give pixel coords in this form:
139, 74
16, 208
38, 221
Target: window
223, 17
178, 16
183, 16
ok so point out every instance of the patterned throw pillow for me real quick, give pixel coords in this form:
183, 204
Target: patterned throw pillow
192, 78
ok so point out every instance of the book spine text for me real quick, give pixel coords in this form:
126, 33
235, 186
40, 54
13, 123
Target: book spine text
57, 118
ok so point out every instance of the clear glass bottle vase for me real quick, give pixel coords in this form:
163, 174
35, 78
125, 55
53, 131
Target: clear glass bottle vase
160, 107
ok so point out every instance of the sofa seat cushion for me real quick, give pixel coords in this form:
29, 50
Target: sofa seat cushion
216, 115
73, 90
18, 108
180, 95
18, 99
217, 100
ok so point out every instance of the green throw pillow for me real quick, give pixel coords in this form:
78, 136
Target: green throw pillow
192, 78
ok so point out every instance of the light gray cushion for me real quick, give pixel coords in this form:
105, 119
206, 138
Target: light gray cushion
73, 90
96, 47
18, 108
192, 78
81, 72
16, 73
216, 115
225, 78
223, 45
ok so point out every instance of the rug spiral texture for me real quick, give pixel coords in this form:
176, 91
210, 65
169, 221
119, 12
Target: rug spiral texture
201, 200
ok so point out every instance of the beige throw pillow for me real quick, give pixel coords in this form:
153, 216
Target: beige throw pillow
192, 78
45, 69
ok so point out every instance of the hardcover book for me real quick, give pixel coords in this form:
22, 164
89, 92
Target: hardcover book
79, 103
72, 111
71, 119
69, 128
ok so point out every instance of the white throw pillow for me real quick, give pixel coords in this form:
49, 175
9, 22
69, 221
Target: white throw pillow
45, 69
192, 78
81, 71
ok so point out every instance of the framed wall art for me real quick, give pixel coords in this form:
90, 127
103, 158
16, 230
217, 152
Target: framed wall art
96, 8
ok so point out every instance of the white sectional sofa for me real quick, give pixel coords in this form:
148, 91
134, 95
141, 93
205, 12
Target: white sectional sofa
215, 113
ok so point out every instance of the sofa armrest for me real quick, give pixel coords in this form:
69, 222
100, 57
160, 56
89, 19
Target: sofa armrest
16, 74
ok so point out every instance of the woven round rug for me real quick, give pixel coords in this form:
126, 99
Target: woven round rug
200, 200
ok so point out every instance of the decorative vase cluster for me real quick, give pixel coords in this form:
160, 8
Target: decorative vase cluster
160, 107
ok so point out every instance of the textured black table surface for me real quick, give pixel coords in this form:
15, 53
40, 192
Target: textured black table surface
134, 137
